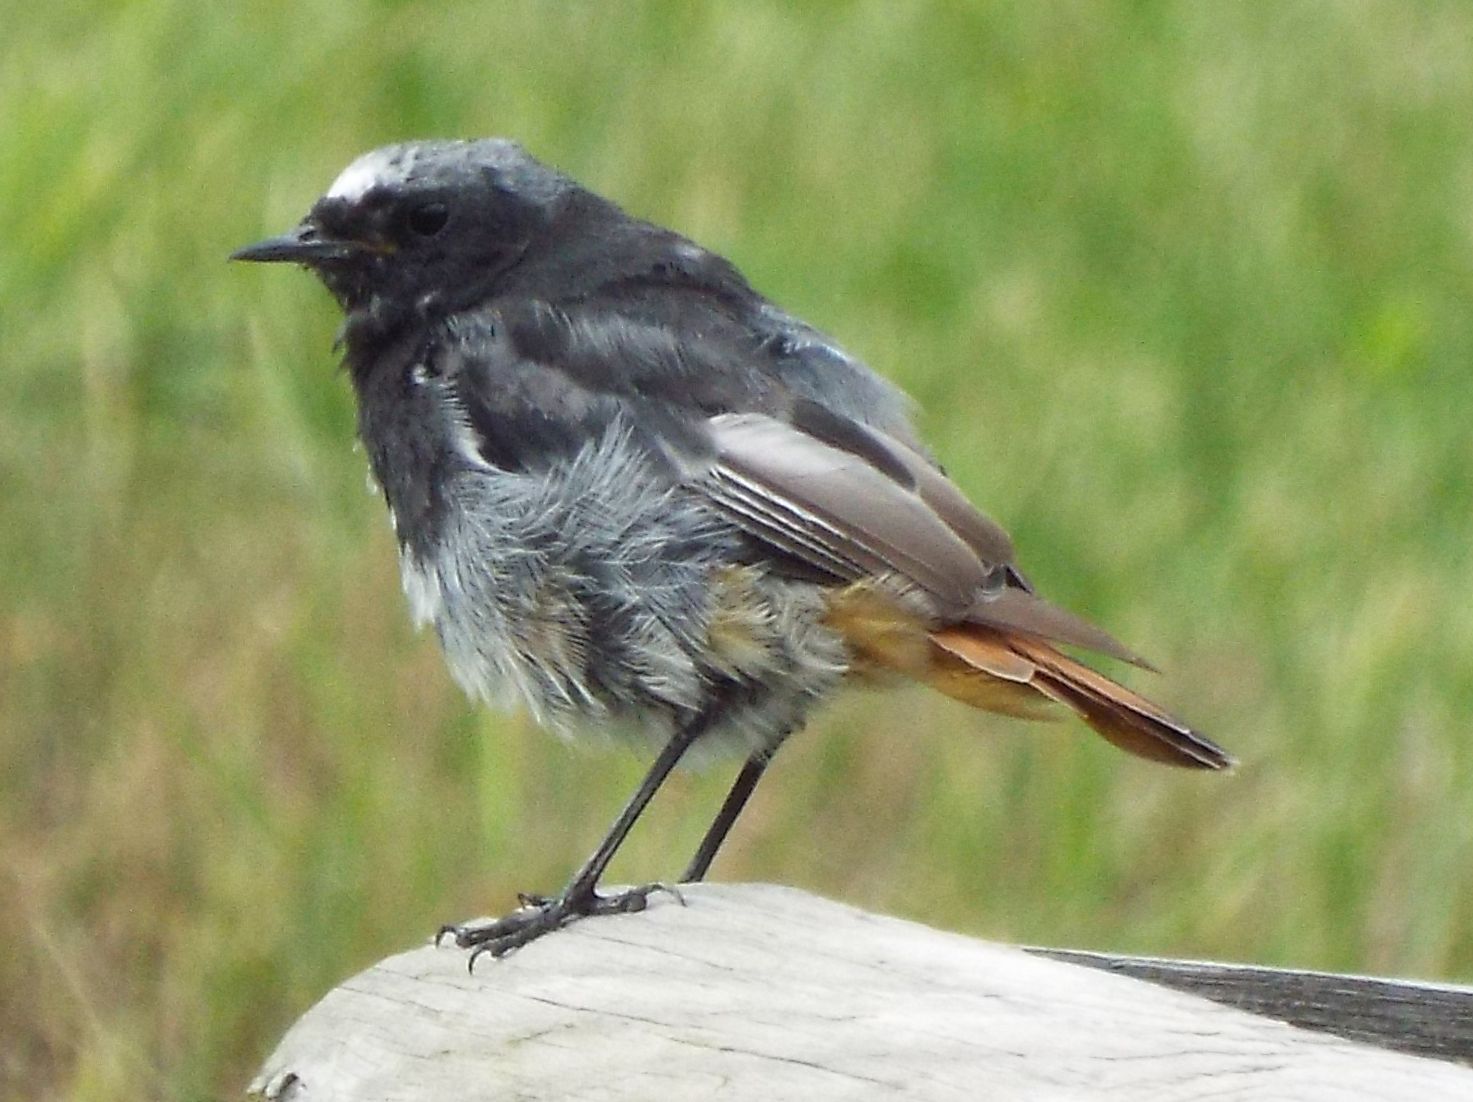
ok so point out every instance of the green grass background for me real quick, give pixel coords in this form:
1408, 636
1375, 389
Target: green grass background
1183, 291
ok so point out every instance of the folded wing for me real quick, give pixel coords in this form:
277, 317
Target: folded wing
863, 508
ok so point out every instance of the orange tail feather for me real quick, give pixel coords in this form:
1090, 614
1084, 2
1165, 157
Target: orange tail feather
1010, 672
1125, 718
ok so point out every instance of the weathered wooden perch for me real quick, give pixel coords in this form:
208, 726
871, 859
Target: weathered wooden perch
761, 992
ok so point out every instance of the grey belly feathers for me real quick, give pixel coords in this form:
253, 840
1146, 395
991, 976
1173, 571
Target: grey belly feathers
528, 570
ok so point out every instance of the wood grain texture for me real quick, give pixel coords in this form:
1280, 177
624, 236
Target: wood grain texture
760, 992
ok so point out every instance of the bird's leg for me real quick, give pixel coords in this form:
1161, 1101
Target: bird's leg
736, 799
539, 915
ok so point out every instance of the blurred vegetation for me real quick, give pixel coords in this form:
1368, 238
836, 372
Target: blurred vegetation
1183, 291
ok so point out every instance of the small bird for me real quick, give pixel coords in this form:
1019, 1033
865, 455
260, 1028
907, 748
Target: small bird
634, 494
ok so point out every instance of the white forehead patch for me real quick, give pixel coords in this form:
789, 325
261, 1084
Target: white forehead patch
382, 166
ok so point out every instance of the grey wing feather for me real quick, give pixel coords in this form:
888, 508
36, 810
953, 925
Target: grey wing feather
837, 509
845, 504
913, 470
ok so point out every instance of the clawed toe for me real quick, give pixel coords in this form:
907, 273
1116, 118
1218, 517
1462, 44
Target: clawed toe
631, 900
481, 936
539, 914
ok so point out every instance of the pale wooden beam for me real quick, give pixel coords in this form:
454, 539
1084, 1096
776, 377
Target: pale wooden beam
760, 992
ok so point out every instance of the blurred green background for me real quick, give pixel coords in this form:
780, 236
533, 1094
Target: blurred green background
1183, 291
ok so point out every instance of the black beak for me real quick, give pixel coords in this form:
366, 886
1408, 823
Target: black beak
303, 245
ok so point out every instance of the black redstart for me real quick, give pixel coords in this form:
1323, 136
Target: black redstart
630, 491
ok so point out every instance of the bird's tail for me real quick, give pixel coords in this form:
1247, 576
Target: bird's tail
971, 656
1000, 670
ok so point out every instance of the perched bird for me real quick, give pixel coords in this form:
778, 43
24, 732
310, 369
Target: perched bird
631, 492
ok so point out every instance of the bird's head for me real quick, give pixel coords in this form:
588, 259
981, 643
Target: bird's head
421, 225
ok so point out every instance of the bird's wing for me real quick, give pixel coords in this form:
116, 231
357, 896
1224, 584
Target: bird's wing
818, 486
859, 505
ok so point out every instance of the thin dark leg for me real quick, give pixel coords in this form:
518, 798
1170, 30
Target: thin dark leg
540, 915
736, 799
586, 878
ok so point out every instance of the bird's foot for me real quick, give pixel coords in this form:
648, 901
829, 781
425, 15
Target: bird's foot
540, 914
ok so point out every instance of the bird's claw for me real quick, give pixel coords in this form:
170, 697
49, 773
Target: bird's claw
540, 914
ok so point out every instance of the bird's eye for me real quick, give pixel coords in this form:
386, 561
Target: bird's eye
427, 219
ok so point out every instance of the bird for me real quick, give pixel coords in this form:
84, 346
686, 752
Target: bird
634, 495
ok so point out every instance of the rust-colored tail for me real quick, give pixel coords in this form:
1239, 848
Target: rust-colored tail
1014, 672
972, 660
